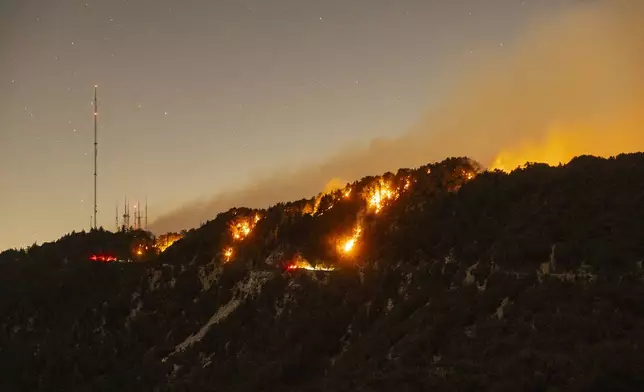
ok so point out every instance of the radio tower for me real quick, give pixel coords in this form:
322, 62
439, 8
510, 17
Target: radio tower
117, 217
138, 215
146, 213
126, 216
95, 147
136, 212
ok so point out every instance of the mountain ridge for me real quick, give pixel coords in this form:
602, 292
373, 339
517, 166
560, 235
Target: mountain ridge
465, 279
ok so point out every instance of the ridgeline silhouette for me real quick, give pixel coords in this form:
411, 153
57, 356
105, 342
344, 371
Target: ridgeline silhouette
443, 277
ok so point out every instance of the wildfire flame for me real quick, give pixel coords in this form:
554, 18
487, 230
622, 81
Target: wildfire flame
347, 246
228, 254
239, 230
307, 266
316, 205
164, 241
380, 193
300, 263
242, 227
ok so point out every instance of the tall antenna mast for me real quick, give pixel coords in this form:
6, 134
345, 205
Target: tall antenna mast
95, 147
138, 209
146, 213
126, 216
117, 217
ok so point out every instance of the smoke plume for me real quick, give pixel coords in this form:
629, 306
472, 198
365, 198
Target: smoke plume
572, 85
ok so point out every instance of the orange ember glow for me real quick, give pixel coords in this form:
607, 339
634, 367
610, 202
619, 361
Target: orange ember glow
562, 142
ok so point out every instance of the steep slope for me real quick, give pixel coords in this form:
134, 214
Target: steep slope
455, 280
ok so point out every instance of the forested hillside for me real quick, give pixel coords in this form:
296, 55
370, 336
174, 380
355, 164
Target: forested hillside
442, 277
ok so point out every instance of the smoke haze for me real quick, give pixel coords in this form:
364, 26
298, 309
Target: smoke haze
572, 85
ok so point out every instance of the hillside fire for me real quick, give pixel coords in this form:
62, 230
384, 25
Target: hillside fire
228, 254
407, 184
309, 267
379, 194
382, 192
165, 241
347, 245
299, 263
469, 175
242, 227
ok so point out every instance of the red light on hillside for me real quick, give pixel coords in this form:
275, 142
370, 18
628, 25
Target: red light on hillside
103, 258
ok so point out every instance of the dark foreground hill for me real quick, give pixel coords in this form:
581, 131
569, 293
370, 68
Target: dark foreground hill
445, 278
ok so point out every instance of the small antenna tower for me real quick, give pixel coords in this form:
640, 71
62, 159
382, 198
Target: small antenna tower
95, 148
117, 216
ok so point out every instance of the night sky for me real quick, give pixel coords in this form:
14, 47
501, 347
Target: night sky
196, 97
